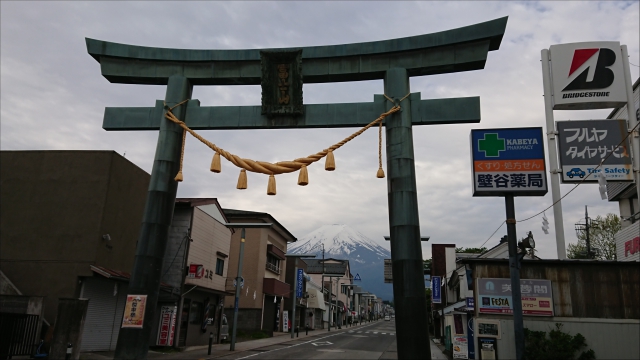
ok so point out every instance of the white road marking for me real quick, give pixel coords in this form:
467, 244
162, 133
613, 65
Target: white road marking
288, 347
320, 343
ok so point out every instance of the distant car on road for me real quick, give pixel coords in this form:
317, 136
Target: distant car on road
576, 172
387, 318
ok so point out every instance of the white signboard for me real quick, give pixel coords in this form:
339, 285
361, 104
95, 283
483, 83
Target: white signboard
587, 75
460, 347
285, 321
628, 243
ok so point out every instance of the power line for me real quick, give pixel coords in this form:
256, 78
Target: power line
570, 191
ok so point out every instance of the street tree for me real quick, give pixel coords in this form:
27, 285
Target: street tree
602, 231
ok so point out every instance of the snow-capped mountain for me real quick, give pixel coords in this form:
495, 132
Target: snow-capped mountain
365, 256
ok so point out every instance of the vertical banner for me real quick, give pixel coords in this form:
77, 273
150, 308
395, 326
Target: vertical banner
436, 295
470, 339
134, 311
166, 326
299, 277
285, 321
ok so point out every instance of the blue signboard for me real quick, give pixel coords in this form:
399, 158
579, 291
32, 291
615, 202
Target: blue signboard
470, 303
508, 161
436, 293
299, 277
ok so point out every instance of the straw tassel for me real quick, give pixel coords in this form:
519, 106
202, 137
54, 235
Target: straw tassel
271, 188
330, 164
380, 174
303, 178
178, 177
242, 180
215, 163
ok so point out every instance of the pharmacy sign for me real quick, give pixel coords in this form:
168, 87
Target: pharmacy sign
508, 161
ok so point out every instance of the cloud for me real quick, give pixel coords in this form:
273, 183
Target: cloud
53, 97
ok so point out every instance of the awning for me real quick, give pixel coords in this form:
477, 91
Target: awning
315, 300
451, 308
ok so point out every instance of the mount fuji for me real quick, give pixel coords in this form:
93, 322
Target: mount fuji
365, 256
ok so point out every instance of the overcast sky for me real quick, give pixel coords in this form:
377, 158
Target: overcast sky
53, 98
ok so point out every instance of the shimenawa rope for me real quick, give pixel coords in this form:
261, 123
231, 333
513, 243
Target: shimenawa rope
282, 167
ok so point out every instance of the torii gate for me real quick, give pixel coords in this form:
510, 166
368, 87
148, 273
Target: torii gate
395, 60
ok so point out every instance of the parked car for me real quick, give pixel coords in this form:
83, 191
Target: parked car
387, 318
224, 329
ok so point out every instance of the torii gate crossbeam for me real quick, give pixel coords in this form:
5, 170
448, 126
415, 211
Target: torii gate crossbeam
395, 60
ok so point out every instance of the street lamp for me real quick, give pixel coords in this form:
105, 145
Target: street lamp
295, 287
330, 289
242, 226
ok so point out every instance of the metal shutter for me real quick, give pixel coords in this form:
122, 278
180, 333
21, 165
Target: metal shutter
98, 325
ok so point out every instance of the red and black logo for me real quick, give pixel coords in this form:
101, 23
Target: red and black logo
603, 76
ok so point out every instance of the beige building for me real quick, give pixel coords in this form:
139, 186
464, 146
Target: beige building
340, 294
260, 306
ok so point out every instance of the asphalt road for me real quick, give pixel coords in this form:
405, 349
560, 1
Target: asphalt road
373, 341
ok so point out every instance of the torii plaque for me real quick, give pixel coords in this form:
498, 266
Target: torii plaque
395, 60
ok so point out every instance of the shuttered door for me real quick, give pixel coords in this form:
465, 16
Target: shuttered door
98, 325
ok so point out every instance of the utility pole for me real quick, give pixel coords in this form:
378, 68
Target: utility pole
514, 269
585, 229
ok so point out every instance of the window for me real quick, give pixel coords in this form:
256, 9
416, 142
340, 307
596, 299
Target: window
219, 266
273, 263
196, 313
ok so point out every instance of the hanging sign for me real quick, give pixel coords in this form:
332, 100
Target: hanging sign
584, 144
134, 308
508, 161
281, 82
388, 271
299, 278
587, 75
436, 291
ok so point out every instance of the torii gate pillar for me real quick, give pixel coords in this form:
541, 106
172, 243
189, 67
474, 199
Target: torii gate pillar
406, 251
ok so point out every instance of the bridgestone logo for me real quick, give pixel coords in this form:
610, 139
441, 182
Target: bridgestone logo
586, 94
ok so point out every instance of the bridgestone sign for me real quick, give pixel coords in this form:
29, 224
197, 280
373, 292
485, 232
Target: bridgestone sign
587, 75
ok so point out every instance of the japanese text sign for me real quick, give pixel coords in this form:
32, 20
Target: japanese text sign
494, 297
299, 278
166, 326
134, 308
436, 293
585, 144
508, 161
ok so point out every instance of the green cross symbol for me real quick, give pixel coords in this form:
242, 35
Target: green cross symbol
491, 145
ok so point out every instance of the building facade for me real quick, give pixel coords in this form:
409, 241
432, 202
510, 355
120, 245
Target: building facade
70, 221
261, 305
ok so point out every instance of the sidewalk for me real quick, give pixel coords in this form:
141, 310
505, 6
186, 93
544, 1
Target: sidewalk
220, 350
437, 350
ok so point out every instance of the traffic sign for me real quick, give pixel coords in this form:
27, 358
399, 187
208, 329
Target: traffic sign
357, 278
